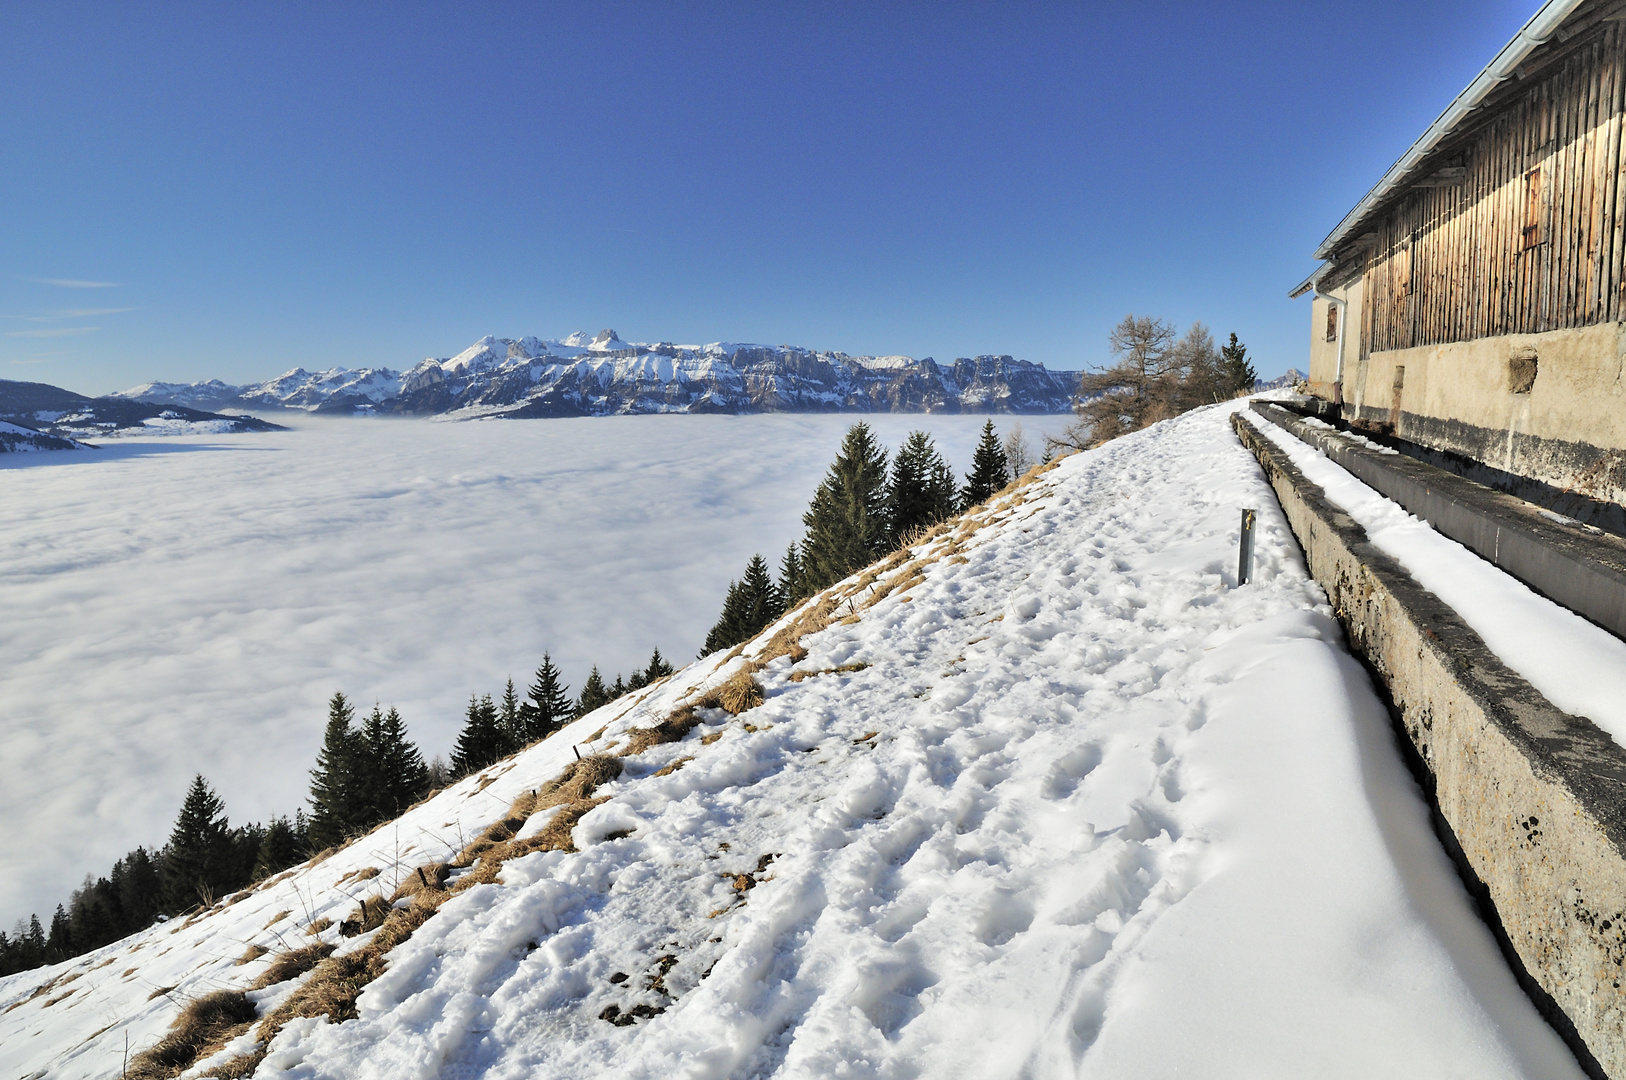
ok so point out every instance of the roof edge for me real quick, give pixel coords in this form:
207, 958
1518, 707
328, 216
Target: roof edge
1535, 33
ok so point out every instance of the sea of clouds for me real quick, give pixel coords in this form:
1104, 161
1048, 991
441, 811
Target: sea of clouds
181, 605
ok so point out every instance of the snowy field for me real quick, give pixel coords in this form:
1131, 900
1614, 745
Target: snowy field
188, 604
1086, 809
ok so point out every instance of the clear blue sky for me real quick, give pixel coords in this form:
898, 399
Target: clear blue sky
237, 189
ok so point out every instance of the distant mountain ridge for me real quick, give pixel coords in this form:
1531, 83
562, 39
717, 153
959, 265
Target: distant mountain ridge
604, 375
39, 416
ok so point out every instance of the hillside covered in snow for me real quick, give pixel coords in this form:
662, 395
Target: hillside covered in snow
1045, 794
603, 375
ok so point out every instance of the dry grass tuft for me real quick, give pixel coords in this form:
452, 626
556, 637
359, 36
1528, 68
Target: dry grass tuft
673, 728
204, 1026
739, 693
815, 616
251, 954
292, 964
366, 873
428, 878
338, 981
275, 919
798, 676
668, 770
318, 926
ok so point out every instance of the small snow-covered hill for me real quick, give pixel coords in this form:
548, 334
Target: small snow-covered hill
55, 417
604, 375
1044, 795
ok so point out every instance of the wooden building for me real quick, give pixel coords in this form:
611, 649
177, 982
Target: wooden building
1475, 298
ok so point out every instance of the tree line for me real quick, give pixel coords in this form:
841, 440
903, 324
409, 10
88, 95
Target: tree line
868, 505
366, 772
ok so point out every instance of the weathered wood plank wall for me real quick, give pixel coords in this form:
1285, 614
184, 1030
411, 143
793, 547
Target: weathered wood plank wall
1454, 261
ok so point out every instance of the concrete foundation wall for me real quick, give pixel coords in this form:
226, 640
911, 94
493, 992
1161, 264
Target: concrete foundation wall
1534, 799
1551, 407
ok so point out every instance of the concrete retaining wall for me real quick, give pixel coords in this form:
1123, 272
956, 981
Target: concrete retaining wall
1534, 799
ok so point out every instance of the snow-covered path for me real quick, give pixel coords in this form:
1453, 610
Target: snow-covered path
1075, 806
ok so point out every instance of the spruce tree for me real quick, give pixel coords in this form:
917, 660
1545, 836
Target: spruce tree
197, 855
335, 791
620, 688
594, 694
846, 522
730, 625
548, 706
921, 492
481, 741
989, 470
511, 717
1236, 373
752, 603
141, 888
658, 667
279, 849
399, 776
790, 577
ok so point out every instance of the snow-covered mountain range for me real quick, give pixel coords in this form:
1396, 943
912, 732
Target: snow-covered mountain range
603, 375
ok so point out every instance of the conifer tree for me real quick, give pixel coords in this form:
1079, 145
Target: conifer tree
752, 603
279, 849
59, 946
594, 694
398, 776
1236, 373
790, 577
511, 717
730, 625
846, 522
921, 492
198, 853
989, 470
140, 887
658, 667
481, 741
335, 792
548, 706
620, 687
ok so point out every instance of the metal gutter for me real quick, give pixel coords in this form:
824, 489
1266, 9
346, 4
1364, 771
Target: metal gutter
1536, 32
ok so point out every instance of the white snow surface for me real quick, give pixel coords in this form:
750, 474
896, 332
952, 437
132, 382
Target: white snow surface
188, 604
1089, 811
1576, 665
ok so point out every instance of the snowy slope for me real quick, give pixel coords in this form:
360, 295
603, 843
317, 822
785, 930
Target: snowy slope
603, 375
1050, 797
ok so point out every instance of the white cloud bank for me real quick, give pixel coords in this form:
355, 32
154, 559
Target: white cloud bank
188, 604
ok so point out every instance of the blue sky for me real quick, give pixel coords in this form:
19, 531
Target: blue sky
233, 190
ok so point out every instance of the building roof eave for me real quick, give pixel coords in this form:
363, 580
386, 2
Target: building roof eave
1535, 33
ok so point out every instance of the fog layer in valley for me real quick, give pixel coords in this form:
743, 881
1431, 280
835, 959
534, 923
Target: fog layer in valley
184, 605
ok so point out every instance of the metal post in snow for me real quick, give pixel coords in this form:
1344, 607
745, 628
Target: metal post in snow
1244, 559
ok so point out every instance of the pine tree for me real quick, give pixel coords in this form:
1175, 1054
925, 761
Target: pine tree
335, 791
790, 577
1236, 373
846, 522
279, 849
751, 605
658, 667
548, 706
481, 741
398, 775
921, 491
198, 853
59, 946
594, 694
141, 888
729, 629
511, 717
620, 688
989, 470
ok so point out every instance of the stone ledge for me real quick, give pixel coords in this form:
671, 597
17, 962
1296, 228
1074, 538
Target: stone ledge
1532, 798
